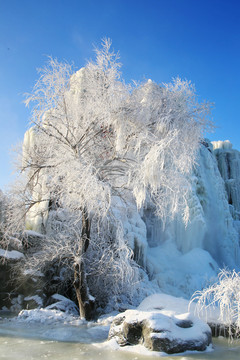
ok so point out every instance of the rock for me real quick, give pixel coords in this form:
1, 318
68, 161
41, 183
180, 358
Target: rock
170, 333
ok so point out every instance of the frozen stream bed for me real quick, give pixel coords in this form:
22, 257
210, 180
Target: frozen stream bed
74, 340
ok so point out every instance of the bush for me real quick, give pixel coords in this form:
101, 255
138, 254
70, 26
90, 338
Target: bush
223, 295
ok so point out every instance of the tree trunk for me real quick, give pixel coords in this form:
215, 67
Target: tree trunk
85, 301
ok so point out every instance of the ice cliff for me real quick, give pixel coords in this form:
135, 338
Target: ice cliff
182, 259
229, 166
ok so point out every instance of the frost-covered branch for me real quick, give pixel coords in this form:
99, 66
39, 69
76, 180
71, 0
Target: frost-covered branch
224, 295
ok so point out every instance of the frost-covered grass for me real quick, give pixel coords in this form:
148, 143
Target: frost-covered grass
224, 295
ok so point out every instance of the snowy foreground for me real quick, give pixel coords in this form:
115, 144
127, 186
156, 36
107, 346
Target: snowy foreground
161, 309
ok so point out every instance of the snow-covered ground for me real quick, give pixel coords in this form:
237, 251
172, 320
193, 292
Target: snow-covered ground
39, 333
57, 325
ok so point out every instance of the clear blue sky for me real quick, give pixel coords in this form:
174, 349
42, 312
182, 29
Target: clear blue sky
159, 39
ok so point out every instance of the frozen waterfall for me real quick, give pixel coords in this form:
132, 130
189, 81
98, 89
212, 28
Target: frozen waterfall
183, 259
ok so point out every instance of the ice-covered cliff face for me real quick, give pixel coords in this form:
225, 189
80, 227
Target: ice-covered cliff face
182, 259
228, 161
229, 166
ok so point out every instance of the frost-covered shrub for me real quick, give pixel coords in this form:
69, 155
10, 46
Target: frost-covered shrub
222, 296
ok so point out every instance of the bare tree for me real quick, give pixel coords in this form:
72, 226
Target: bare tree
93, 137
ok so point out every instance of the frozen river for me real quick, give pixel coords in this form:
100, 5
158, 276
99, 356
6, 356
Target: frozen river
77, 341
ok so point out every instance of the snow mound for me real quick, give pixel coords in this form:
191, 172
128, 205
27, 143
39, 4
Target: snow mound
63, 304
44, 316
164, 302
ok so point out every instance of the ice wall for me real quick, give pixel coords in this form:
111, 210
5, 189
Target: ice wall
228, 161
182, 259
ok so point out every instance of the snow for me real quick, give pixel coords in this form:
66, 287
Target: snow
166, 302
163, 314
46, 316
226, 144
176, 305
11, 254
142, 350
63, 304
61, 326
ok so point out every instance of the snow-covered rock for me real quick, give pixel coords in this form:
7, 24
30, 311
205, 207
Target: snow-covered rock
158, 325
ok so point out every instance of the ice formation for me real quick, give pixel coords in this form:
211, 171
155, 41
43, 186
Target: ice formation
229, 166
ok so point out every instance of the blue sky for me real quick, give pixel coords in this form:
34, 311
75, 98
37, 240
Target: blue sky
198, 40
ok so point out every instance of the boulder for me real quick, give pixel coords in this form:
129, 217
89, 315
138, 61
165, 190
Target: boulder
158, 331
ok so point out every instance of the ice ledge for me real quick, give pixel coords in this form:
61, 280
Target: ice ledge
226, 145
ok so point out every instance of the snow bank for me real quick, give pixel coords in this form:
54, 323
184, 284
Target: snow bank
161, 323
63, 304
44, 316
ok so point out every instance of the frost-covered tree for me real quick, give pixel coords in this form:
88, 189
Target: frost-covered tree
222, 298
94, 138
